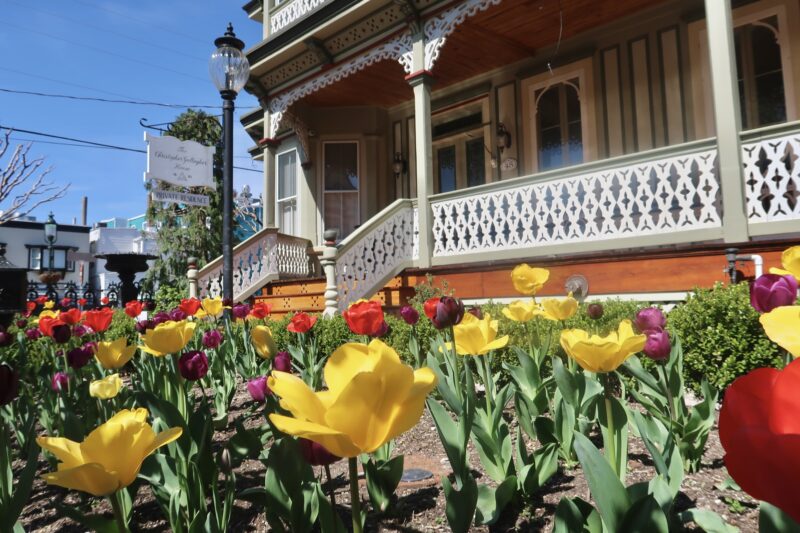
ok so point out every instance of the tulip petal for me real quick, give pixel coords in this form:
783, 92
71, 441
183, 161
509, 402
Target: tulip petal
407, 414
344, 363
163, 438
785, 403
334, 441
297, 397
90, 477
782, 326
357, 412
68, 452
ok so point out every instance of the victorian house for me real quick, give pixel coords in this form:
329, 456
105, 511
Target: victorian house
625, 144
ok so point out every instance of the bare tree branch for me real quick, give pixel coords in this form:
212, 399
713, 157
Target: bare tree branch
22, 182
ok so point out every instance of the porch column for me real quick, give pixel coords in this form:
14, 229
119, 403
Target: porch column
727, 118
421, 81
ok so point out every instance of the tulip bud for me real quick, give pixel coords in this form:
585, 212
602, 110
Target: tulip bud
449, 312
282, 362
78, 357
226, 461
658, 345
9, 384
62, 333
316, 454
409, 314
772, 290
476, 311
6, 339
176, 315
193, 365
240, 311
258, 389
212, 339
21, 323
59, 382
649, 318
595, 311
33, 334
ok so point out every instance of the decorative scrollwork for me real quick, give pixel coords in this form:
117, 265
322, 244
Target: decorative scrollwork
772, 178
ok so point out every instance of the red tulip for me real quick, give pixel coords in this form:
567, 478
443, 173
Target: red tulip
301, 323
190, 306
98, 320
47, 323
760, 432
430, 307
82, 302
65, 302
71, 317
365, 318
31, 307
104, 300
41, 300
133, 308
260, 310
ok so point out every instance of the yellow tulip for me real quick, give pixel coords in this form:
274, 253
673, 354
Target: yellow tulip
782, 326
105, 388
477, 337
210, 307
168, 337
110, 457
49, 313
261, 338
49, 304
114, 354
372, 397
520, 311
602, 354
528, 280
559, 309
790, 260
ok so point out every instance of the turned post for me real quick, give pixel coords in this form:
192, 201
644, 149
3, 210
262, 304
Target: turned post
328, 262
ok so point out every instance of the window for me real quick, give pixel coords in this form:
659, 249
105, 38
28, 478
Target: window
286, 196
758, 65
341, 181
560, 117
446, 174
39, 259
476, 162
460, 144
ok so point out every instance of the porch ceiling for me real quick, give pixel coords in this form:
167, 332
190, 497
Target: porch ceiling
501, 35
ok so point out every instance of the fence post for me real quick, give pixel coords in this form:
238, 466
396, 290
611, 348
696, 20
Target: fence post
191, 273
328, 262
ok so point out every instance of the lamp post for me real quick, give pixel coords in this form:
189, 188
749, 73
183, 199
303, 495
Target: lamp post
50, 236
229, 71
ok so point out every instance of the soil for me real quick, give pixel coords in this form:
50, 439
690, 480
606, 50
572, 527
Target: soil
419, 506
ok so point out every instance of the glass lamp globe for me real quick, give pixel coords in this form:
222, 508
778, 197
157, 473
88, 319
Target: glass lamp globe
228, 66
51, 229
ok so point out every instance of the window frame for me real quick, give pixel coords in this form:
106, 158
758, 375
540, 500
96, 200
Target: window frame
295, 198
324, 185
69, 266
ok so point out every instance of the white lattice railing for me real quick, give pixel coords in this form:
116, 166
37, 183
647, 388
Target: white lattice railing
264, 257
288, 12
772, 174
377, 251
652, 195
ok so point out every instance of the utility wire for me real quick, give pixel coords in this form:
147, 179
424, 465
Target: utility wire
107, 100
62, 82
102, 51
95, 144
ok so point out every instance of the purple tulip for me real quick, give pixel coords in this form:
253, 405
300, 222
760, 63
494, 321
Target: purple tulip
595, 311
258, 389
212, 339
476, 311
144, 325
62, 333
449, 312
409, 314
6, 338
649, 318
193, 365
33, 334
80, 330
78, 357
177, 315
21, 323
159, 318
282, 362
772, 290
240, 311
658, 345
382, 330
59, 382
9, 384
149, 305
227, 302
316, 454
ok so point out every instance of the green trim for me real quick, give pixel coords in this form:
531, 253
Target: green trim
775, 227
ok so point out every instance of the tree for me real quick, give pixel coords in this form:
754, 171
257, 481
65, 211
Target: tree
188, 231
23, 187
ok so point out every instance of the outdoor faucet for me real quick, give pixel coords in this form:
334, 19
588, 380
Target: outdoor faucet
732, 255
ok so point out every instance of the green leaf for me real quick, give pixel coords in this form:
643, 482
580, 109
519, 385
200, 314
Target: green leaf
710, 521
492, 500
460, 504
607, 490
619, 433
645, 516
771, 519
575, 515
565, 382
382, 480
454, 437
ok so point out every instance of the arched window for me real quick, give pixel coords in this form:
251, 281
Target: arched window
558, 125
760, 72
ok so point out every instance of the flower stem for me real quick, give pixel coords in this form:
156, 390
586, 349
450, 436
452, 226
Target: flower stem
355, 498
670, 400
118, 516
331, 492
611, 444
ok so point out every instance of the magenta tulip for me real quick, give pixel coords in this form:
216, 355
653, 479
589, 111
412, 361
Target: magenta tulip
59, 381
240, 311
212, 339
258, 389
193, 365
33, 334
409, 314
658, 345
6, 338
650, 318
282, 362
77, 358
772, 290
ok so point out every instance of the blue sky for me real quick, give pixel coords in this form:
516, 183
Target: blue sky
152, 50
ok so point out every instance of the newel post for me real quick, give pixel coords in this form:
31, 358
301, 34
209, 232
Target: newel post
191, 274
328, 262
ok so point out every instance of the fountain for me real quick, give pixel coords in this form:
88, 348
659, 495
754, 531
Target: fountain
127, 265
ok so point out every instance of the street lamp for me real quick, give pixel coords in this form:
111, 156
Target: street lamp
229, 71
50, 237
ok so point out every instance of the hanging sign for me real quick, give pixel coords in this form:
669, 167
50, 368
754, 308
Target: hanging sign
182, 163
178, 197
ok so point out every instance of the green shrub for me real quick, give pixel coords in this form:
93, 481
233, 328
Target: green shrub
122, 326
721, 335
169, 297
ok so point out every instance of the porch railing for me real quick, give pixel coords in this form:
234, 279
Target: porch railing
377, 251
266, 256
288, 12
